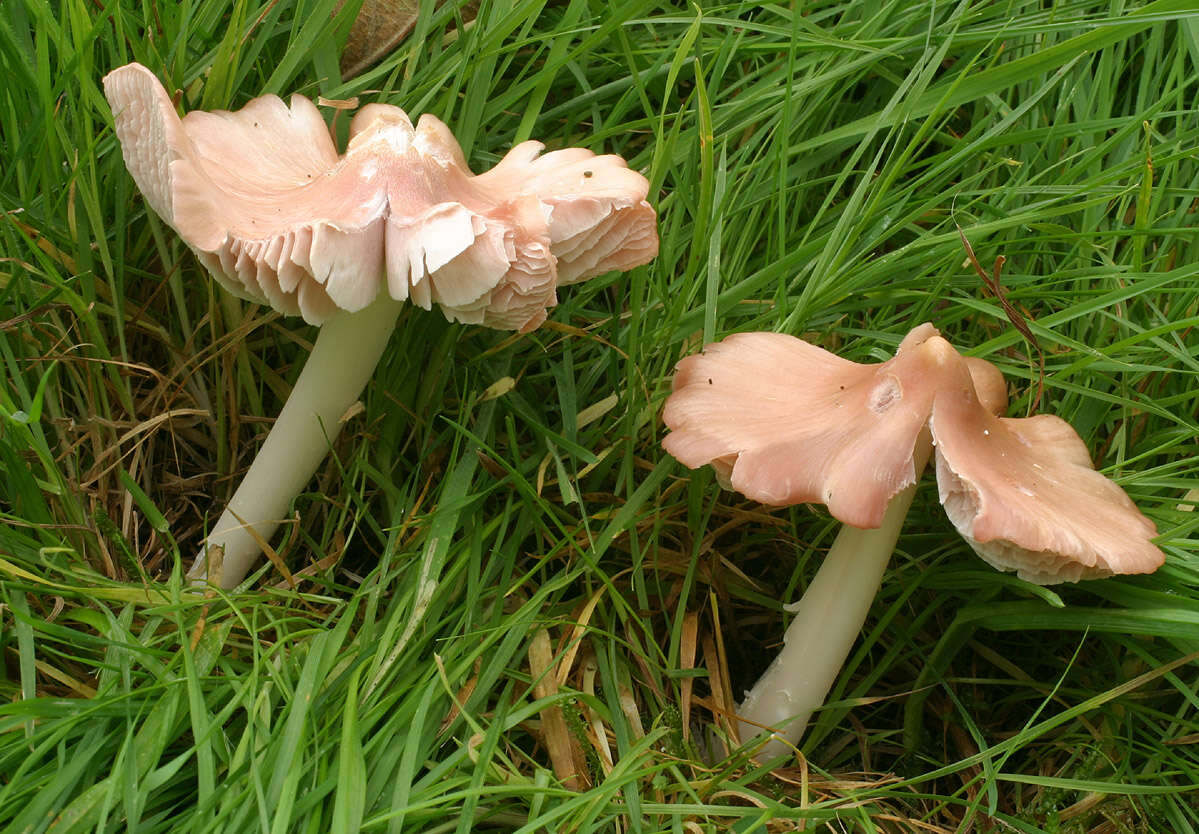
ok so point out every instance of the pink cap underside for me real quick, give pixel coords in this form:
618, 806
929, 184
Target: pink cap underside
803, 424
1023, 492
598, 221
263, 197
149, 131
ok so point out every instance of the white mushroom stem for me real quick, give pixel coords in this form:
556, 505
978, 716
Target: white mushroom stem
827, 621
347, 349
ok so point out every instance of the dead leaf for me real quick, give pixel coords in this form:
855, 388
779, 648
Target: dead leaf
378, 29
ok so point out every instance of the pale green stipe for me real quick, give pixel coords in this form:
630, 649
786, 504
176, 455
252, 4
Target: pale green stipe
828, 619
342, 361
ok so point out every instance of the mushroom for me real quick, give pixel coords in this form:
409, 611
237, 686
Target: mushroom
263, 198
785, 422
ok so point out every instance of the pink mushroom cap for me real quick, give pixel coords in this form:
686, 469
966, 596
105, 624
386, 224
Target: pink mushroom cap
785, 422
1024, 494
279, 216
791, 423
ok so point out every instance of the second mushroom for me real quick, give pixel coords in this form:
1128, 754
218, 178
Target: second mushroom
785, 422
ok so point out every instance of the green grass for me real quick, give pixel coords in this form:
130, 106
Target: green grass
811, 172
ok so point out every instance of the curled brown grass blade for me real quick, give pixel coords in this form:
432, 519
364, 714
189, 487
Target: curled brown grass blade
1018, 318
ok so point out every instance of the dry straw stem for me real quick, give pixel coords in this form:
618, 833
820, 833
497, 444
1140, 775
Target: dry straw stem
569, 764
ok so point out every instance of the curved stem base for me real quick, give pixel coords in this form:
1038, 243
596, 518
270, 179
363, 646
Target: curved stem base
347, 349
827, 621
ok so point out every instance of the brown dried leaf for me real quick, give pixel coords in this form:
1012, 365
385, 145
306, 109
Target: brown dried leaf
555, 734
378, 29
689, 643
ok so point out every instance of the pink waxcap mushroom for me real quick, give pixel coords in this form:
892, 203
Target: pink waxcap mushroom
786, 422
1024, 494
278, 216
